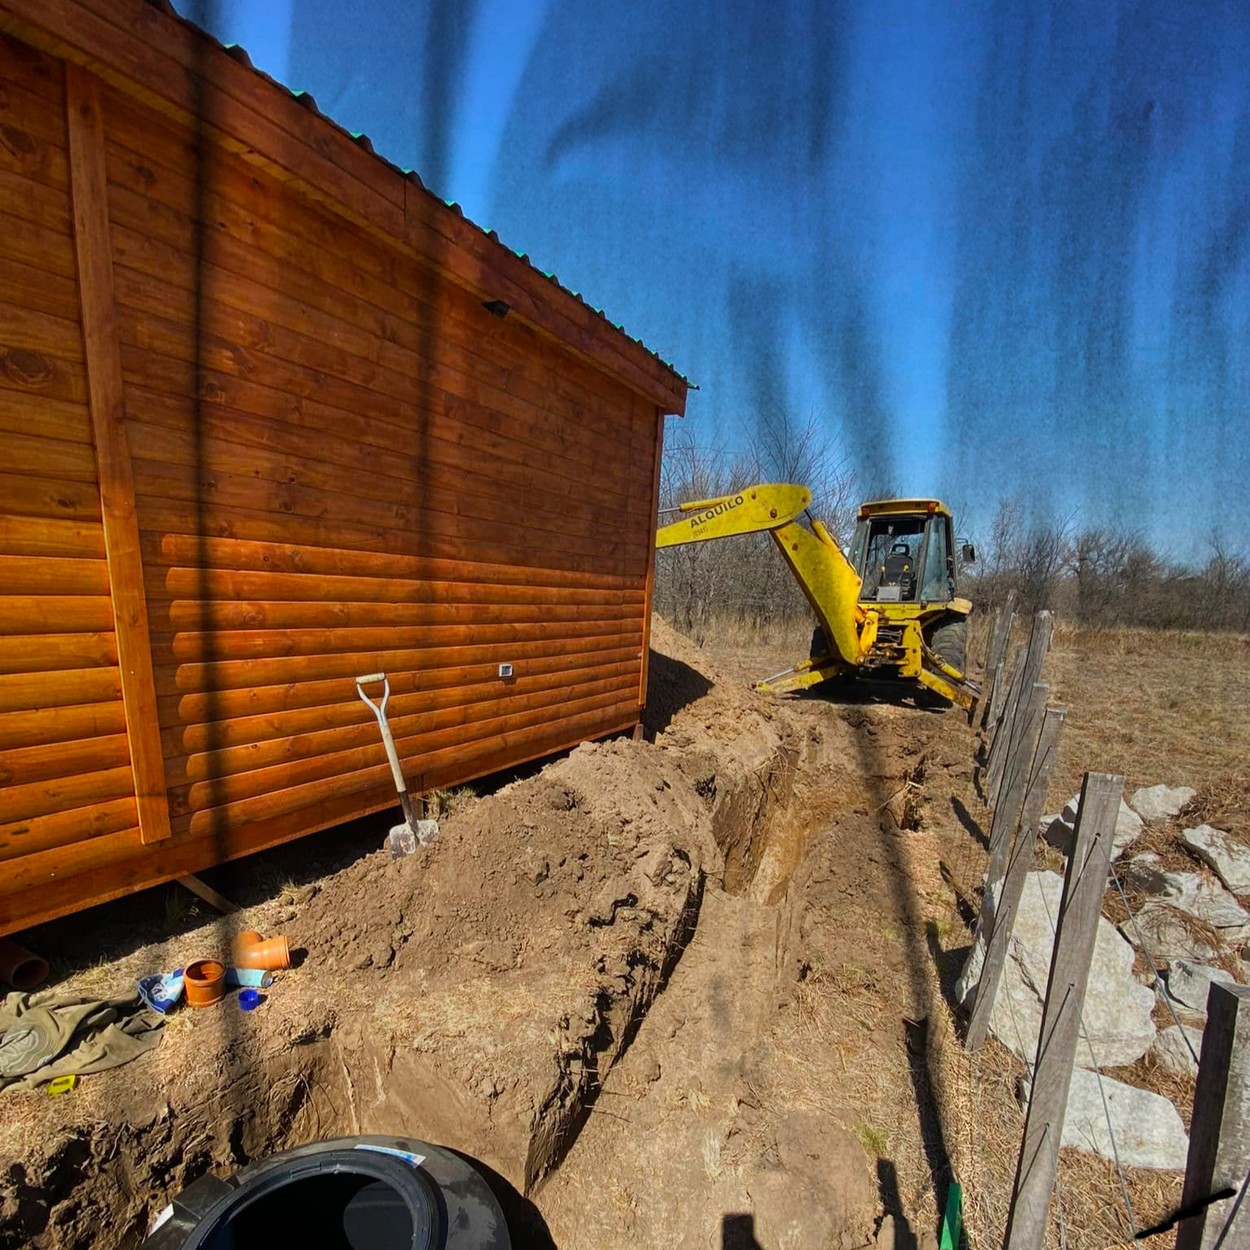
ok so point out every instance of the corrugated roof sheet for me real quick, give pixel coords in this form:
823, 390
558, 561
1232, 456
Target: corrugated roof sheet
305, 99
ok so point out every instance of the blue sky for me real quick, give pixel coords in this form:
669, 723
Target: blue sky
999, 246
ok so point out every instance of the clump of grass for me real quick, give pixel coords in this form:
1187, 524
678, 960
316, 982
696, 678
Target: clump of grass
874, 1140
442, 803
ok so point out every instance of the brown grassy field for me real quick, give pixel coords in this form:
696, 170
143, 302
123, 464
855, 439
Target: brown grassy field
1155, 706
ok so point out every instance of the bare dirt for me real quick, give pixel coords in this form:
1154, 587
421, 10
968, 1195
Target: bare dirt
687, 991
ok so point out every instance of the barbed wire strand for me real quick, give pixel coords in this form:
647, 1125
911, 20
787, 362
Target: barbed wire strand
1102, 1093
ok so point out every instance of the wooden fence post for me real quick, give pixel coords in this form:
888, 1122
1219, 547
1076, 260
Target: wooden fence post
1017, 768
999, 904
1076, 927
999, 636
1219, 1134
1002, 705
1039, 644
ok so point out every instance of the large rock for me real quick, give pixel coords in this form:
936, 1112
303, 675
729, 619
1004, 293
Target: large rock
1117, 1009
1208, 900
1172, 1052
1162, 929
1144, 872
1147, 1129
1156, 804
1060, 830
1189, 983
1229, 859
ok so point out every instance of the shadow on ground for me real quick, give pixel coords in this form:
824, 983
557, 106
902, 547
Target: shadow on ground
737, 1232
671, 686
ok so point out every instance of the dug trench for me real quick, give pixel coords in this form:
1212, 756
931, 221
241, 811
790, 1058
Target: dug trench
659, 988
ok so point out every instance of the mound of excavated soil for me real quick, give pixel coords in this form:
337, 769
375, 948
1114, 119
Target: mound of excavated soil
475, 994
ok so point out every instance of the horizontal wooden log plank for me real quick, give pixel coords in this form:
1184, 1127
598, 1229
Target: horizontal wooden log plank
19, 803
251, 644
22, 692
47, 536
200, 707
174, 550
33, 874
25, 102
425, 491
195, 739
233, 674
44, 206
68, 876
431, 534
32, 331
44, 653
40, 762
213, 821
145, 343
21, 495
169, 518
39, 456
446, 429
34, 71
261, 347
41, 575
479, 473
33, 244
26, 153
162, 357
30, 287
32, 372
56, 614
440, 322
286, 288
40, 417
238, 204
301, 553
211, 617
35, 728
307, 748
207, 583
42, 833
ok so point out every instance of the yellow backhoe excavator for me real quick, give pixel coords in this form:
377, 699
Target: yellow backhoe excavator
889, 610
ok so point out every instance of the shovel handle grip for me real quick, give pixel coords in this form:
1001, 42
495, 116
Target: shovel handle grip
379, 710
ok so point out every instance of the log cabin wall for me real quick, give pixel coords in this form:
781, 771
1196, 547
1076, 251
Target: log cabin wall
259, 434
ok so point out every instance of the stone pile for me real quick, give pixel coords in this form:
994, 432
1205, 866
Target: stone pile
1193, 929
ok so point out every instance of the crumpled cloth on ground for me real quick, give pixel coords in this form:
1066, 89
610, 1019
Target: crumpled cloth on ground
43, 1036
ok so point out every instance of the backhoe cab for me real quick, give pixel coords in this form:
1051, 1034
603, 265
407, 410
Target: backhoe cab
890, 610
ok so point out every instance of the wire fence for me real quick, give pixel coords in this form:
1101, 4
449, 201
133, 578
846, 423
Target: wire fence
1012, 767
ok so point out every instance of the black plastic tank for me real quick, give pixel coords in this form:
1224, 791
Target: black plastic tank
352, 1193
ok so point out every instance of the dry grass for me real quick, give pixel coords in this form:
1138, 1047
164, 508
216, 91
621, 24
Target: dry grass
1155, 706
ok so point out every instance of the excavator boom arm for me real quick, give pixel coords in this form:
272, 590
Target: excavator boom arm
827, 579
752, 510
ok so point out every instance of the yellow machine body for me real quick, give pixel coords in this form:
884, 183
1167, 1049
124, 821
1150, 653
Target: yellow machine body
890, 608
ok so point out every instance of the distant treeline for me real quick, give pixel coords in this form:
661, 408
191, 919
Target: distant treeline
1090, 575
1101, 576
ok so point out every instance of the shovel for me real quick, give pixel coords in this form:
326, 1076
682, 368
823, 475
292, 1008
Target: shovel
402, 839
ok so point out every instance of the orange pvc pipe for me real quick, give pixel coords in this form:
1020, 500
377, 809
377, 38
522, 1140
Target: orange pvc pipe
19, 967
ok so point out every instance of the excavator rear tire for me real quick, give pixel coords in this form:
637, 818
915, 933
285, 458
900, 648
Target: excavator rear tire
950, 640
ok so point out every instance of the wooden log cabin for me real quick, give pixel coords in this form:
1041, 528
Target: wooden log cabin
272, 415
